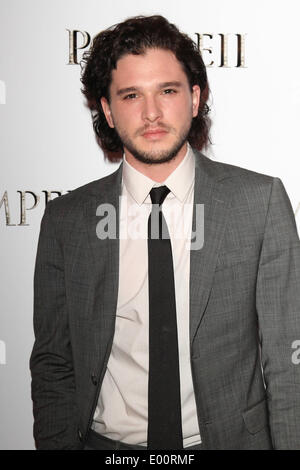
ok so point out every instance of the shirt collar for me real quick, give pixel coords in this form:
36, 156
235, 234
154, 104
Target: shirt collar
179, 181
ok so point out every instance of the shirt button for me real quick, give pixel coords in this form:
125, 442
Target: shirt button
94, 379
80, 435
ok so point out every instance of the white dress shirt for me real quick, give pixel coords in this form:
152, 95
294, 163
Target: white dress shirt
122, 410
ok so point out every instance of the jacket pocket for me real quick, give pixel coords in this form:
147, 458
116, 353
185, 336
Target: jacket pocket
256, 417
236, 256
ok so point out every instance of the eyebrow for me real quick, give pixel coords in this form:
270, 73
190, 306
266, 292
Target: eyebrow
133, 89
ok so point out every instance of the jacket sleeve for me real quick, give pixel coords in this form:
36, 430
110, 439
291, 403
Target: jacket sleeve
278, 308
51, 365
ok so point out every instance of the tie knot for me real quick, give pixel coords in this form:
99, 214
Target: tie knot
159, 194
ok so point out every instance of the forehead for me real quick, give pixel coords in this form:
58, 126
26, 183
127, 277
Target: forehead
154, 65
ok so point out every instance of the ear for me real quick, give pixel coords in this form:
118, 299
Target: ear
196, 93
107, 111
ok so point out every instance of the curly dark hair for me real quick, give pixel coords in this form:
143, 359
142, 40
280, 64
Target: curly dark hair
134, 36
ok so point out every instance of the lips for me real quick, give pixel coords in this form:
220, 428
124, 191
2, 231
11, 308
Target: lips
154, 133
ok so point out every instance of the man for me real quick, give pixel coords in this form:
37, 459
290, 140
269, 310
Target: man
165, 341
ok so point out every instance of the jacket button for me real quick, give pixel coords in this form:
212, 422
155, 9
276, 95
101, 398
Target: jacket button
80, 435
94, 379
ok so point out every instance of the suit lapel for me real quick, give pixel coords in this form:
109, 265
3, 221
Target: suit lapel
209, 191
104, 257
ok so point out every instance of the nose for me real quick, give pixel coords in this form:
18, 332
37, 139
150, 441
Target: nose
151, 109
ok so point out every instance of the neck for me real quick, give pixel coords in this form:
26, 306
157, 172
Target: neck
158, 172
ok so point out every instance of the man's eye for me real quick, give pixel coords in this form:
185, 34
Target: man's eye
169, 91
131, 96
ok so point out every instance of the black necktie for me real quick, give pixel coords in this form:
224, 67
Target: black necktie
164, 406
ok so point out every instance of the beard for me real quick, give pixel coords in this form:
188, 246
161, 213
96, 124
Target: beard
157, 156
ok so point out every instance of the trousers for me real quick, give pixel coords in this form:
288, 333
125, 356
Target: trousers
97, 442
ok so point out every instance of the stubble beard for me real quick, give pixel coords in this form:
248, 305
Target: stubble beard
155, 156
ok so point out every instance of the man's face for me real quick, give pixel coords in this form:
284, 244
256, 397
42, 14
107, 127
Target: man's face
151, 105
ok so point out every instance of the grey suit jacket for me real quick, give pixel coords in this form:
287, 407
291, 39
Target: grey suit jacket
244, 312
